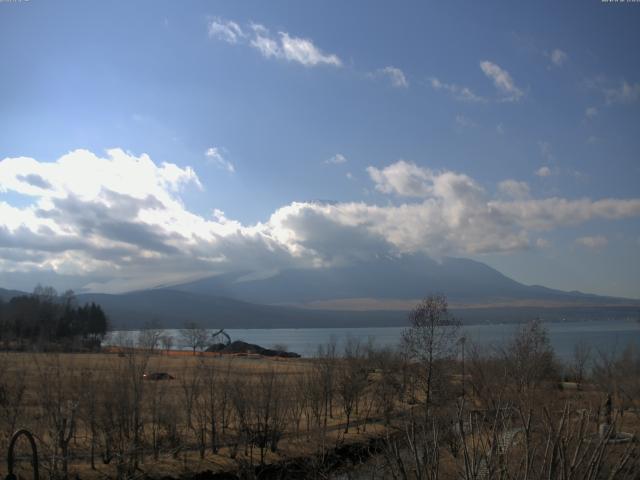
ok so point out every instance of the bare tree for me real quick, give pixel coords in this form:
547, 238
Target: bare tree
190, 388
387, 386
529, 357
167, 342
430, 340
351, 379
121, 412
59, 405
298, 401
488, 377
89, 391
314, 389
618, 374
194, 336
212, 402
157, 407
225, 397
201, 406
580, 361
150, 335
240, 399
135, 366
326, 366
269, 412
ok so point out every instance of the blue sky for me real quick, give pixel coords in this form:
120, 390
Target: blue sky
508, 133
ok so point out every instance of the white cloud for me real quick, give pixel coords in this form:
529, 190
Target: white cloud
395, 76
514, 189
595, 242
349, 176
121, 218
86, 175
282, 46
337, 159
225, 30
303, 51
625, 93
214, 155
457, 91
263, 42
502, 81
558, 57
543, 172
591, 112
500, 129
402, 178
118, 221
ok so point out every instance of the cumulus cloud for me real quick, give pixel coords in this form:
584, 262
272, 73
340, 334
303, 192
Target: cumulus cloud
394, 74
502, 81
118, 221
591, 112
281, 46
595, 242
558, 57
214, 155
402, 178
337, 159
456, 91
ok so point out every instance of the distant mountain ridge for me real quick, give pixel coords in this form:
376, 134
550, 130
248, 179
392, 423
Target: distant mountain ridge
464, 282
366, 294
6, 295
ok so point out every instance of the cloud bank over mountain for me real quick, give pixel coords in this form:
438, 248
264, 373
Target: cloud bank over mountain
119, 222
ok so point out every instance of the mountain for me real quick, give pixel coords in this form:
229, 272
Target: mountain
6, 295
394, 282
374, 293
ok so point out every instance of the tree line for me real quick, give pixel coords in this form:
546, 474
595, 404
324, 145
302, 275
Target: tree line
46, 318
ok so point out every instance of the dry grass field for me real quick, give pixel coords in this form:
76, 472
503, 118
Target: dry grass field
503, 414
107, 391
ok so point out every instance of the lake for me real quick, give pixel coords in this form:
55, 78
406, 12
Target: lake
604, 335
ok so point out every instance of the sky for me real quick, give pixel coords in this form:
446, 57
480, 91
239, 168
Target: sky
150, 142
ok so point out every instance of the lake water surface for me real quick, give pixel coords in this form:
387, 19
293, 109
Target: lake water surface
604, 335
